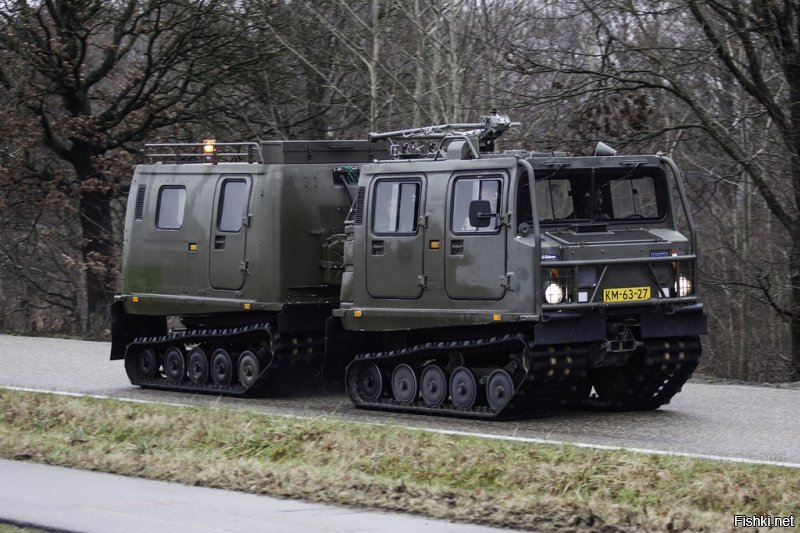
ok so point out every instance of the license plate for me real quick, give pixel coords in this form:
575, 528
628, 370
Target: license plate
626, 294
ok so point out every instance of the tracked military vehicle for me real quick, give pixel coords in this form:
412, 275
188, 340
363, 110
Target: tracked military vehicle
421, 268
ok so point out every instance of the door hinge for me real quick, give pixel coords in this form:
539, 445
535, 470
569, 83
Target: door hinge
505, 280
504, 219
422, 221
245, 267
422, 280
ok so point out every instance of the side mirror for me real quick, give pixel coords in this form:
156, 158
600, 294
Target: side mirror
480, 213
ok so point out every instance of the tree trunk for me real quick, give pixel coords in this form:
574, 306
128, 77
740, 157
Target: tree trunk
97, 246
98, 253
794, 268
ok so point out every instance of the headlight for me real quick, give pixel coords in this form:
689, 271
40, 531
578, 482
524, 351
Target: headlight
683, 287
553, 294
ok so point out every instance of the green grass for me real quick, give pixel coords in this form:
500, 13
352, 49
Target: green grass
501, 483
10, 528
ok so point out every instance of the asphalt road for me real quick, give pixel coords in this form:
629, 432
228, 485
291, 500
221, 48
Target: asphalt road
731, 422
65, 499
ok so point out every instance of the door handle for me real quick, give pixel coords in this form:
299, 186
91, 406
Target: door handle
377, 247
219, 242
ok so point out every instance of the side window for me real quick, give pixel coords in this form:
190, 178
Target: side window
231, 205
468, 189
171, 202
524, 209
395, 207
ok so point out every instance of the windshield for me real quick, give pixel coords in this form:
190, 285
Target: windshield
602, 195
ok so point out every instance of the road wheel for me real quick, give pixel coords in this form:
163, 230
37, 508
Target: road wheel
463, 388
434, 385
174, 364
404, 384
221, 367
198, 366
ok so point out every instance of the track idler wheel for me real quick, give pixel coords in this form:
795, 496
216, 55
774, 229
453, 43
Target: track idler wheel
364, 381
499, 389
249, 369
145, 363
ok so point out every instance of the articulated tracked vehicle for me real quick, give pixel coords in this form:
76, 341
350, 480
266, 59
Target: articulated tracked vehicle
420, 267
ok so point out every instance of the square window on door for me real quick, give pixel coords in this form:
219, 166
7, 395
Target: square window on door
231, 205
464, 192
396, 207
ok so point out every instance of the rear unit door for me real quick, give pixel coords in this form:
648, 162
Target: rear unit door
475, 264
394, 254
229, 225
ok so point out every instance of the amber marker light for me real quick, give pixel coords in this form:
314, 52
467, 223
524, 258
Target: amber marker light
135, 299
497, 317
208, 146
192, 247
357, 314
246, 307
434, 245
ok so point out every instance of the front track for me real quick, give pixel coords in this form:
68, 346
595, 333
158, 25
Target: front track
490, 378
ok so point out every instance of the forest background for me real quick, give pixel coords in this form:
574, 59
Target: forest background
715, 84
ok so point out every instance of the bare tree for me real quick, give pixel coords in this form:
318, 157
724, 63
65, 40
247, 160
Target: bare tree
716, 69
97, 76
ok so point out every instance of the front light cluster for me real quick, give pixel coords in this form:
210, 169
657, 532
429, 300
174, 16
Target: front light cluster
553, 293
683, 287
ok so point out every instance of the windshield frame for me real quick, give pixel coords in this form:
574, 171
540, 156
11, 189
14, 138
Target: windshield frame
592, 187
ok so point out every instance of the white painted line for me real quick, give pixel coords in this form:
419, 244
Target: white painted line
93, 396
758, 387
489, 436
533, 440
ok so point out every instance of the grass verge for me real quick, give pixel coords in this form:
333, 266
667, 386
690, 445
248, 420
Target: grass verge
519, 485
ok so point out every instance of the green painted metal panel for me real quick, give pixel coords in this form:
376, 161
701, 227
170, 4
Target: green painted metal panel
229, 227
475, 258
394, 254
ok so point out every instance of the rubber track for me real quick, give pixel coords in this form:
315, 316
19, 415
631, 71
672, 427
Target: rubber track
549, 376
656, 376
281, 350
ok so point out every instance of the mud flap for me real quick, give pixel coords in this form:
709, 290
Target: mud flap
570, 328
687, 321
125, 328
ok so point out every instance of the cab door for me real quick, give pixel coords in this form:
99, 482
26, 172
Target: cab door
229, 225
394, 252
475, 264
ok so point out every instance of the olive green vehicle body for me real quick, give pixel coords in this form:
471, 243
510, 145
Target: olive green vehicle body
402, 282
408, 254
200, 269
396, 282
